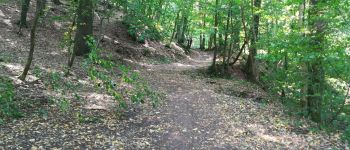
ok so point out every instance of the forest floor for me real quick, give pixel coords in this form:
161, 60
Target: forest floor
198, 111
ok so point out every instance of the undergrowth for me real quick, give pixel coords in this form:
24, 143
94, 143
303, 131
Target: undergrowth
99, 70
8, 107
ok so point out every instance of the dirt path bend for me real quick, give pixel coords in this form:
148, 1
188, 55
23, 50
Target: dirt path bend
199, 114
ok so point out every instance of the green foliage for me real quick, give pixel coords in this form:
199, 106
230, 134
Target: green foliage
141, 31
98, 69
346, 135
43, 113
290, 56
3, 2
56, 82
64, 105
8, 107
141, 22
84, 119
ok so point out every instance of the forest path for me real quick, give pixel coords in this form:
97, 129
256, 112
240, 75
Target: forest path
204, 113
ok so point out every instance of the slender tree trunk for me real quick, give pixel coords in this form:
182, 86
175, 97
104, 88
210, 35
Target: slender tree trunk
215, 34
235, 45
39, 11
202, 35
210, 42
179, 27
175, 27
252, 71
316, 87
304, 103
71, 41
183, 28
84, 27
246, 41
225, 56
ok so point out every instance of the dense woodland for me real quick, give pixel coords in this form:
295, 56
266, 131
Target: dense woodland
291, 57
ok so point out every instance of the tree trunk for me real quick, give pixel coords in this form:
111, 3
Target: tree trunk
252, 72
304, 69
225, 55
246, 40
39, 11
24, 11
84, 27
71, 41
175, 27
182, 29
202, 36
210, 42
215, 34
316, 84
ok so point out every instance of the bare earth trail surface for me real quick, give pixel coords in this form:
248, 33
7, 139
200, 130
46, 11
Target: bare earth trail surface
199, 114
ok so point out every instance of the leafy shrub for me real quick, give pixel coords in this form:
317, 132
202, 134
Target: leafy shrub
142, 30
8, 107
141, 25
99, 70
346, 135
56, 82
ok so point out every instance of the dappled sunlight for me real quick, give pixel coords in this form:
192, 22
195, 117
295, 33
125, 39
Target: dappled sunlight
181, 65
14, 68
57, 25
7, 22
2, 14
149, 47
86, 82
55, 53
98, 101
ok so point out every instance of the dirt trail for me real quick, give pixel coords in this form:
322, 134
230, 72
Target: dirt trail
196, 115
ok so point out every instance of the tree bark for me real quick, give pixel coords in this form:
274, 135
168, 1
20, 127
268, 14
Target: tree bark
304, 88
38, 13
182, 29
252, 72
24, 11
175, 27
84, 27
71, 41
226, 56
215, 35
202, 35
210, 42
316, 86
